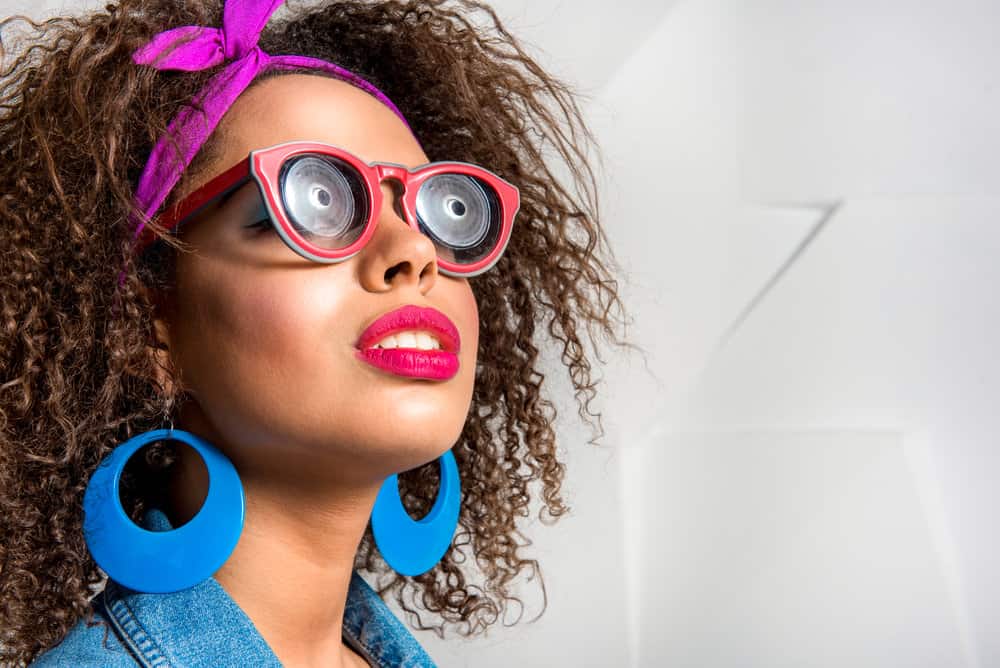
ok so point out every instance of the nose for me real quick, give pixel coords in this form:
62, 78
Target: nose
396, 253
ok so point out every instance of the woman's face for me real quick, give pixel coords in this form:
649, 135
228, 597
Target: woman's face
265, 339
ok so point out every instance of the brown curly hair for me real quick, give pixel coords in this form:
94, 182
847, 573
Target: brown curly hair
77, 377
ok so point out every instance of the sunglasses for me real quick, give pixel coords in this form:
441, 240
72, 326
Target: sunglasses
324, 203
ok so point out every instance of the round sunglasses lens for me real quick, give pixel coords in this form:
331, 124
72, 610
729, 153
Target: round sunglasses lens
461, 213
325, 200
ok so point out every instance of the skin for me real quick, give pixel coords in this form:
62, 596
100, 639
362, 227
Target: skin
264, 341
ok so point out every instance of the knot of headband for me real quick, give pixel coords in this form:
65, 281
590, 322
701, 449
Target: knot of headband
193, 48
242, 23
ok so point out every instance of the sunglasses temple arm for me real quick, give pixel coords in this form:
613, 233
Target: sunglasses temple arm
219, 198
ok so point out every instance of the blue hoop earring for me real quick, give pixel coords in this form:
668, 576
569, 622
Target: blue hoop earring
161, 562
412, 547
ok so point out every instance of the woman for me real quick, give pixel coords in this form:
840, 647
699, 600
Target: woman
214, 224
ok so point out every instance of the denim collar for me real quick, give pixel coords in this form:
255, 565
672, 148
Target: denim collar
198, 626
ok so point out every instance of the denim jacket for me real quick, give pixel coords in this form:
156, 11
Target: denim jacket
203, 626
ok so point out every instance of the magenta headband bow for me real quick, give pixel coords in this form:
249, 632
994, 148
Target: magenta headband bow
236, 43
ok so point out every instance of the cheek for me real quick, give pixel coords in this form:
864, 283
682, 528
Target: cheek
247, 339
470, 314
461, 306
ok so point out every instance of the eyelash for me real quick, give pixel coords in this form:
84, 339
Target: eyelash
261, 225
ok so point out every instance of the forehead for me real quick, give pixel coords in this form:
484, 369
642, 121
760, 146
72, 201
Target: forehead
317, 108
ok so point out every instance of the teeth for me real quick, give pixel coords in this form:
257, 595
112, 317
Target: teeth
425, 341
410, 339
406, 340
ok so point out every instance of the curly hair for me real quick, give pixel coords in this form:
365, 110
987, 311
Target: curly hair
77, 377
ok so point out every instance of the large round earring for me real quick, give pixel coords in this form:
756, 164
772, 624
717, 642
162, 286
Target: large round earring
161, 562
409, 546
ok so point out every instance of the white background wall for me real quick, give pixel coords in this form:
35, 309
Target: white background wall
815, 484
804, 197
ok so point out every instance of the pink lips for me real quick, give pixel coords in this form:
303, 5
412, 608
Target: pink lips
435, 364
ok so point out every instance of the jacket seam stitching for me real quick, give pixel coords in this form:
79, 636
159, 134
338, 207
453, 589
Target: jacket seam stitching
368, 653
141, 644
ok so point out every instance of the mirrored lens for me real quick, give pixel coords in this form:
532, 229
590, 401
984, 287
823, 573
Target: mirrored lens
325, 199
461, 214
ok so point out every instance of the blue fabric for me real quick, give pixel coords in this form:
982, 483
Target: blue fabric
204, 627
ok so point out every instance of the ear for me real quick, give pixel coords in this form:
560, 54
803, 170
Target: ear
160, 348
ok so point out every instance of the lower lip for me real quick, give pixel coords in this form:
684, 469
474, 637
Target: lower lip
434, 364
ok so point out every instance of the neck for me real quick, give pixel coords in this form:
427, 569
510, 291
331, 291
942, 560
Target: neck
292, 567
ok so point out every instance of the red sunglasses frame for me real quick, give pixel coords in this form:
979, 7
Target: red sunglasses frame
264, 166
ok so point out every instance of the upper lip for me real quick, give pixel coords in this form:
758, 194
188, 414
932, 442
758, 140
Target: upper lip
410, 317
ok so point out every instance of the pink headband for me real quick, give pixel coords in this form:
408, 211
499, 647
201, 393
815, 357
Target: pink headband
235, 43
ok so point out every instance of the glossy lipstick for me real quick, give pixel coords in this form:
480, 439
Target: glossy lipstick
412, 362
